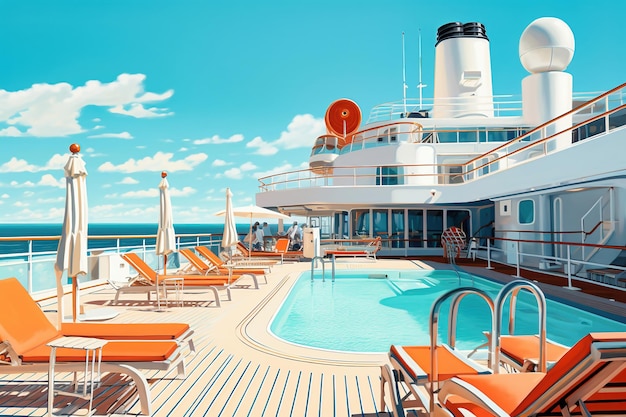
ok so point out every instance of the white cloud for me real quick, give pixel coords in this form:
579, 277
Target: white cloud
185, 192
49, 181
123, 135
301, 132
46, 110
152, 192
216, 140
18, 165
56, 162
161, 161
11, 131
248, 166
5, 195
128, 180
263, 148
138, 111
24, 184
233, 174
219, 163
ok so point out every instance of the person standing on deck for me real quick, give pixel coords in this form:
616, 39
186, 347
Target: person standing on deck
295, 236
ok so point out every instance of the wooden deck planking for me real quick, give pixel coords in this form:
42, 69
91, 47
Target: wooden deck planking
228, 376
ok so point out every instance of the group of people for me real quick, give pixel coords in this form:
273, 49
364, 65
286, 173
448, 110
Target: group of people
256, 237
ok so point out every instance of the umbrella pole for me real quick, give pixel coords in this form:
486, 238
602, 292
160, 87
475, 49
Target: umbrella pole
74, 292
157, 283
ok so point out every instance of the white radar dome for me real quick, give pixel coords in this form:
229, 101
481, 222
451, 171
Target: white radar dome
547, 44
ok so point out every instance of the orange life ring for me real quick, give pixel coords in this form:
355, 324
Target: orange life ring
343, 118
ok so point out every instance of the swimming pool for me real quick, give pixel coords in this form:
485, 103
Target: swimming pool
368, 310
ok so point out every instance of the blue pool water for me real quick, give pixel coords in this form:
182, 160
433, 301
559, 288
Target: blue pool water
362, 311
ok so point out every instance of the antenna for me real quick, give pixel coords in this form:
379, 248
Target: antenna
420, 86
404, 86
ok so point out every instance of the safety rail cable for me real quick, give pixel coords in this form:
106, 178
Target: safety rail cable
456, 296
513, 288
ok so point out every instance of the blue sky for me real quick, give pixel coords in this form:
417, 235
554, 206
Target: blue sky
220, 93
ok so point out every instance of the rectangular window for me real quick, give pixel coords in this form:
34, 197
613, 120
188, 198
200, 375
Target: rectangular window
416, 228
360, 223
434, 227
389, 176
526, 212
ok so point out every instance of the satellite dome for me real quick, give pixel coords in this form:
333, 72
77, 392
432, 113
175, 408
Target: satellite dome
547, 44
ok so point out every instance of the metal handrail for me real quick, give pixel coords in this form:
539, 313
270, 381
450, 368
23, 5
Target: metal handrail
457, 295
513, 288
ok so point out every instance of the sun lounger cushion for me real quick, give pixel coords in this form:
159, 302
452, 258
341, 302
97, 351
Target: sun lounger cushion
521, 348
415, 360
126, 331
121, 351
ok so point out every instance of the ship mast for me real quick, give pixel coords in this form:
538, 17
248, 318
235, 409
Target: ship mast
420, 86
404, 86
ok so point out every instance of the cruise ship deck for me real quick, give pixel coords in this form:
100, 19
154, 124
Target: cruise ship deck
239, 369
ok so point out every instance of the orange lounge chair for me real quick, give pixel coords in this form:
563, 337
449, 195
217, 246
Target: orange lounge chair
212, 283
203, 268
589, 379
367, 251
25, 332
280, 251
521, 352
214, 259
411, 367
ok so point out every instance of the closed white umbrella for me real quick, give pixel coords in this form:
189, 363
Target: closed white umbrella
230, 236
72, 249
166, 237
253, 212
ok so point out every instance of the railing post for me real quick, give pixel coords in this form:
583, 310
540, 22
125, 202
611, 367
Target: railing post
489, 254
569, 271
30, 267
517, 261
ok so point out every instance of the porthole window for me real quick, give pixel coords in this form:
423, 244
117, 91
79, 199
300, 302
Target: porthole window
526, 212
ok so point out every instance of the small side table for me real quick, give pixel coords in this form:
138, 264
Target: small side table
93, 357
177, 284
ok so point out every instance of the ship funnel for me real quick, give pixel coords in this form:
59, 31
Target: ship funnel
462, 71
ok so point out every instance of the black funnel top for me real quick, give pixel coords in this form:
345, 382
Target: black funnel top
460, 30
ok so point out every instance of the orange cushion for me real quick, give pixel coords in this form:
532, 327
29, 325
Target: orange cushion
126, 331
522, 347
506, 390
111, 352
416, 361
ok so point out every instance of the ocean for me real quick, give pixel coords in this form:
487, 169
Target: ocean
38, 274
102, 229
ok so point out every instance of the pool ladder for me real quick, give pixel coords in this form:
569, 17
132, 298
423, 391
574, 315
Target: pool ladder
513, 288
456, 295
323, 261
